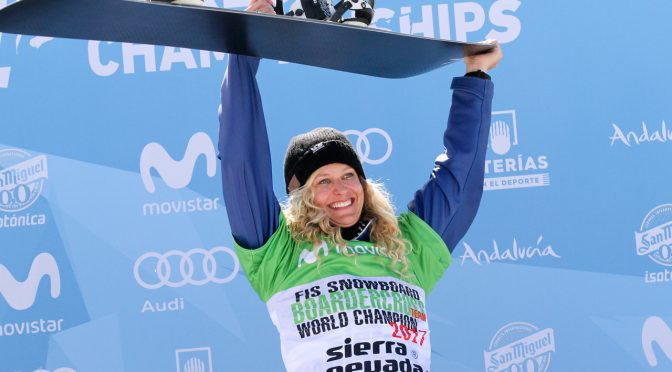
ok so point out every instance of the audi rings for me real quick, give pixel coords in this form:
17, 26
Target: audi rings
363, 145
186, 268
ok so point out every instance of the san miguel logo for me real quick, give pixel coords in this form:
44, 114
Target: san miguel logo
22, 178
507, 166
654, 239
520, 347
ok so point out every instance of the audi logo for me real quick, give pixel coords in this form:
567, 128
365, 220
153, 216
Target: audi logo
363, 144
176, 268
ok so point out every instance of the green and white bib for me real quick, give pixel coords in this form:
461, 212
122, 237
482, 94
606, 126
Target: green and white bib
339, 312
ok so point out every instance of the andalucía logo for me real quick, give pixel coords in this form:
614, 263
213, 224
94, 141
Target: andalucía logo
516, 252
22, 179
507, 169
654, 239
653, 134
520, 347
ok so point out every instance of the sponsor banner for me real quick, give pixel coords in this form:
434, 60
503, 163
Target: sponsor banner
458, 21
25, 172
175, 269
31, 327
22, 178
662, 134
178, 174
658, 276
516, 182
534, 344
654, 238
22, 220
655, 331
365, 142
129, 59
505, 166
176, 304
521, 346
194, 360
20, 295
517, 252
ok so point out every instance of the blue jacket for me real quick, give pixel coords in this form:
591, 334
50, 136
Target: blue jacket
448, 202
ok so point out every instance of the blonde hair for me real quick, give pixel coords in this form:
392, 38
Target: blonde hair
308, 222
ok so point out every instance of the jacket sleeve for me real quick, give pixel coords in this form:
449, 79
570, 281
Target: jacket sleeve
247, 180
448, 202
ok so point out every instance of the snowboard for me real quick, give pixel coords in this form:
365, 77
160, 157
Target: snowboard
331, 45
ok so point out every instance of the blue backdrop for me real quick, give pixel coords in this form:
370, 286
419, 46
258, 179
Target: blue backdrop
115, 249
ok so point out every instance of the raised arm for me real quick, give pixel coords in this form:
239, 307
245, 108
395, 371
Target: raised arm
448, 202
247, 180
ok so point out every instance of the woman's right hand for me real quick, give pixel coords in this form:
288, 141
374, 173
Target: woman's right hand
261, 6
485, 61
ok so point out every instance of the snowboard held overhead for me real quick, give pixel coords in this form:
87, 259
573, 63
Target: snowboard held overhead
298, 36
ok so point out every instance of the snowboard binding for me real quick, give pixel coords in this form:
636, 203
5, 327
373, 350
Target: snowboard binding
324, 10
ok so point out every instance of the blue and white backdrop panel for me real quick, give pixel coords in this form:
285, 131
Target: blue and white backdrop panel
110, 199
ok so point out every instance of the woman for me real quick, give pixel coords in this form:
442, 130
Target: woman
344, 279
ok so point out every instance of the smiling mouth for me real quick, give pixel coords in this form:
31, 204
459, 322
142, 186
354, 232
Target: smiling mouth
342, 204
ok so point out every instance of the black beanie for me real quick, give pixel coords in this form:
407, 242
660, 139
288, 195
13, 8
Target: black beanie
309, 151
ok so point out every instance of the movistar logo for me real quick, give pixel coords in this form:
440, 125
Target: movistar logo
310, 257
21, 295
177, 173
656, 332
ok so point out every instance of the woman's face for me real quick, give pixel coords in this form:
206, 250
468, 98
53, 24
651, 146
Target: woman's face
339, 193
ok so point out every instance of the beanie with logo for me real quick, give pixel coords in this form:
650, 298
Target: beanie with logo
309, 151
